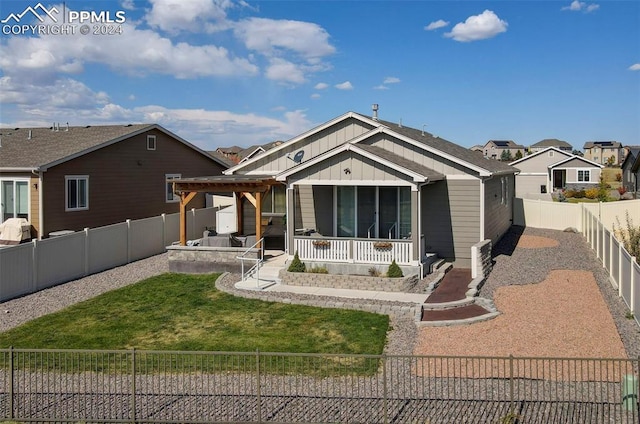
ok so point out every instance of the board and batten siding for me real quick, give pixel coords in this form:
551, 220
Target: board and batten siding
314, 145
417, 155
498, 206
451, 218
305, 214
349, 166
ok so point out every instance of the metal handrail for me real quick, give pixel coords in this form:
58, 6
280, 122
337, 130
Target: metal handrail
395, 225
369, 230
258, 261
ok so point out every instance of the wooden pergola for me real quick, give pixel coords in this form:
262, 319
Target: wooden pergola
251, 187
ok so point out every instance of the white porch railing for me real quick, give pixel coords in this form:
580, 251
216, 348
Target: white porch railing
367, 251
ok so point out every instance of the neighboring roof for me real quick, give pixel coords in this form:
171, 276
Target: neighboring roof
505, 144
579, 158
632, 155
233, 150
48, 147
477, 148
601, 144
437, 145
222, 158
551, 142
541, 152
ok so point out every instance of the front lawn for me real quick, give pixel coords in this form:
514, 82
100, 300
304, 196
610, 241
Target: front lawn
186, 312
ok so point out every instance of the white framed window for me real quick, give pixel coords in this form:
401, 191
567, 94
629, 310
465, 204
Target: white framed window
584, 175
76, 193
14, 199
170, 196
151, 142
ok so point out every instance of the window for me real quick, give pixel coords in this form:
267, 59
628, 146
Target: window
550, 153
584, 175
275, 201
14, 199
76, 192
170, 196
151, 142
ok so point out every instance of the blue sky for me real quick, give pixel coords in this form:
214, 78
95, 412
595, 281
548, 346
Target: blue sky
227, 72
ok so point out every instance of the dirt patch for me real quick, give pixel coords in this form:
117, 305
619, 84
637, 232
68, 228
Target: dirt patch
536, 242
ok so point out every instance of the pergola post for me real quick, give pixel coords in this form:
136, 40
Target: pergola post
185, 198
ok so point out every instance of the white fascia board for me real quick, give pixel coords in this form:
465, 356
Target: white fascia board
594, 164
483, 172
302, 136
23, 169
539, 153
371, 183
534, 174
461, 177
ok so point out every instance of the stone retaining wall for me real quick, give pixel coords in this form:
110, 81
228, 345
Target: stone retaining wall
204, 259
481, 262
352, 282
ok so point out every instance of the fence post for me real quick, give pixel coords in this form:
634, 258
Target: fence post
385, 401
611, 238
34, 267
258, 392
632, 301
164, 230
86, 251
133, 384
619, 269
11, 378
128, 241
511, 410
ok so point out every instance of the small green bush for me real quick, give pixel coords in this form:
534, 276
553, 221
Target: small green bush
296, 264
373, 272
318, 270
579, 194
394, 270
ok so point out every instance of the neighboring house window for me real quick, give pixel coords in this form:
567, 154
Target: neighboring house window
14, 199
584, 175
551, 153
170, 196
151, 142
76, 192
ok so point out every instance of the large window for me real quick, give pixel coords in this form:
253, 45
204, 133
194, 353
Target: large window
170, 196
376, 212
584, 175
275, 201
14, 199
76, 192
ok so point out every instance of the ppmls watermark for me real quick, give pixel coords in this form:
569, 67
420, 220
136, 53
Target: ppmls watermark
65, 22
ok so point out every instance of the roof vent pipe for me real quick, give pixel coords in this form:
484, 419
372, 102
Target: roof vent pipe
67, 127
374, 107
423, 129
29, 137
400, 123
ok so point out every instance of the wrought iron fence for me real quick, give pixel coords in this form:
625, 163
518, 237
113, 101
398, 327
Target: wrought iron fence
222, 387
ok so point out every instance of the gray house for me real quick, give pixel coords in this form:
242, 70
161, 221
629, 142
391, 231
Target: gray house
361, 191
551, 142
630, 166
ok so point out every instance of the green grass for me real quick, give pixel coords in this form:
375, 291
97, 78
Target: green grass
186, 312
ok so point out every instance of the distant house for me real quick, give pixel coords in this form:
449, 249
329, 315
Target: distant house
603, 151
237, 154
495, 149
551, 142
477, 148
630, 168
551, 169
70, 178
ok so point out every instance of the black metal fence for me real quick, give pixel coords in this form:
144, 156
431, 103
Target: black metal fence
222, 387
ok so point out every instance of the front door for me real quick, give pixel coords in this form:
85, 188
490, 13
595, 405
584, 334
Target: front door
559, 178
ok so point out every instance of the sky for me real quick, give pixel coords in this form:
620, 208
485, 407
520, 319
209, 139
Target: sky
239, 72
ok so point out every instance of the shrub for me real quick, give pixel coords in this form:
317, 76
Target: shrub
591, 193
618, 177
569, 193
373, 271
394, 270
318, 270
630, 235
296, 264
579, 194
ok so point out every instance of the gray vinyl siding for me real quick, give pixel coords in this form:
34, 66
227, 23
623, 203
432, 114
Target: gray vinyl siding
572, 173
418, 155
312, 146
348, 166
529, 184
498, 213
451, 219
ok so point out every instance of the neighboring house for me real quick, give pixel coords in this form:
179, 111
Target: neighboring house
551, 169
377, 191
602, 151
237, 154
477, 148
70, 178
495, 149
630, 167
551, 142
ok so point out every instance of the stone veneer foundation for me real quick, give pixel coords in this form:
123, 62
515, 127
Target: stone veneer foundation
352, 282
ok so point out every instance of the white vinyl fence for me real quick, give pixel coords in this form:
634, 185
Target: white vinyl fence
30, 267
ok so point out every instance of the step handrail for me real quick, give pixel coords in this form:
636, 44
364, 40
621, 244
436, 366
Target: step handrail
258, 261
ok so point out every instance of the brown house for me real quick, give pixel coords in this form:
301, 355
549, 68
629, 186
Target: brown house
71, 178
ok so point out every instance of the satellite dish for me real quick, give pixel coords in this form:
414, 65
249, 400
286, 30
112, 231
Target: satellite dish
297, 158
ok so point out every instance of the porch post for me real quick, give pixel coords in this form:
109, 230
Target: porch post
185, 198
291, 222
258, 218
415, 233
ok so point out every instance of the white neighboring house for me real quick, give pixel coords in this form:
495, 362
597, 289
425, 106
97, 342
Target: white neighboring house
551, 169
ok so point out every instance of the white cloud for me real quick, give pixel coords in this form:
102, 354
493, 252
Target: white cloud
63, 94
635, 67
381, 87
391, 80
344, 86
285, 71
478, 27
321, 86
193, 16
436, 24
128, 4
577, 6
315, 96
131, 97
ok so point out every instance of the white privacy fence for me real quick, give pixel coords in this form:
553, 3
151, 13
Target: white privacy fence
30, 267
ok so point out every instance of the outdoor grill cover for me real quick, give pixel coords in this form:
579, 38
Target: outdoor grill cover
14, 230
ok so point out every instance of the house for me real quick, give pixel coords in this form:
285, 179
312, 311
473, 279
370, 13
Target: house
630, 169
358, 191
603, 152
70, 178
237, 154
551, 169
502, 149
551, 142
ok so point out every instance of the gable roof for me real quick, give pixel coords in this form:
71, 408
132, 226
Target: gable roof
603, 144
533, 155
505, 144
422, 139
551, 142
42, 148
579, 158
